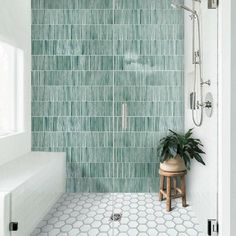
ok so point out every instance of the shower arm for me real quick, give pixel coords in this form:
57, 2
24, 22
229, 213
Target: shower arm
195, 53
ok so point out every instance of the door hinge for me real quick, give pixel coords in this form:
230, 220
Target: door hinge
13, 226
213, 227
212, 4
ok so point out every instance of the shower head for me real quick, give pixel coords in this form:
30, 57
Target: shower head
174, 5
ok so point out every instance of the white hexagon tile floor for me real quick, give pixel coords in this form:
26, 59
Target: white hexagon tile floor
142, 214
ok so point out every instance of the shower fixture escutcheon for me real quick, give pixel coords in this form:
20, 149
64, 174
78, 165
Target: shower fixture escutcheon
196, 104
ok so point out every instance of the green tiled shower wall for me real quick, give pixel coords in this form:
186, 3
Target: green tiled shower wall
89, 57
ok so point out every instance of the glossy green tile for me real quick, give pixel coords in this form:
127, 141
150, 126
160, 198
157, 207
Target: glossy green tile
67, 17
101, 62
51, 63
79, 49
138, 4
71, 4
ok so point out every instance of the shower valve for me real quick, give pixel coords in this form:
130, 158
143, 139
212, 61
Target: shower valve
206, 104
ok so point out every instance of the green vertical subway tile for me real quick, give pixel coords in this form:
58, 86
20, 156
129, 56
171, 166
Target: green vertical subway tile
49, 32
99, 170
77, 48
101, 185
94, 17
101, 62
178, 32
91, 32
179, 47
51, 63
79, 185
178, 108
80, 63
154, 184
99, 4
72, 16
173, 63
127, 17
98, 47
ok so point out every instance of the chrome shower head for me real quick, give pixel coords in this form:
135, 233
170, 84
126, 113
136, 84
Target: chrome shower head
174, 5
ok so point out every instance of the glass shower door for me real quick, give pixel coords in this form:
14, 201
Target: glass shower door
148, 100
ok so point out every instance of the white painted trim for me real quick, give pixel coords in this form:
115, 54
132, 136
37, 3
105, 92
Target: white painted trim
15, 28
224, 126
232, 116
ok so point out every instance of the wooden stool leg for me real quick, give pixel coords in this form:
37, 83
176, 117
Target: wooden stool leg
183, 189
168, 198
175, 186
161, 187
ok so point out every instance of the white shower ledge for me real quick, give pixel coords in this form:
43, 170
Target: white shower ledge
18, 171
29, 186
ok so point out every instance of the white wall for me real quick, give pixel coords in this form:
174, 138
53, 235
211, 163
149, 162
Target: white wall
202, 180
233, 119
227, 125
226, 203
15, 28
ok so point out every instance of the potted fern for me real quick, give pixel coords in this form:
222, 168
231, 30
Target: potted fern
177, 151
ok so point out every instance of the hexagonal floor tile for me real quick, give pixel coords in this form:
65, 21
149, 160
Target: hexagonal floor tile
133, 232
180, 228
74, 232
172, 232
169, 224
142, 228
104, 228
123, 228
152, 232
133, 224
161, 228
142, 214
93, 232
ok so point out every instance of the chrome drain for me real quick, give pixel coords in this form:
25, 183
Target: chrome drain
116, 217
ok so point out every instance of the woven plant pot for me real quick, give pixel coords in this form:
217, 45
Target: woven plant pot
173, 165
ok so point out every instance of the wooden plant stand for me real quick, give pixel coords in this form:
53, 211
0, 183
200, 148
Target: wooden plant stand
178, 192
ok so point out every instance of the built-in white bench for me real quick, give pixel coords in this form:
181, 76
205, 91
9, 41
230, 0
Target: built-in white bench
29, 186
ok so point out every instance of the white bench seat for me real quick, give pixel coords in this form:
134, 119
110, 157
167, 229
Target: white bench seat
29, 186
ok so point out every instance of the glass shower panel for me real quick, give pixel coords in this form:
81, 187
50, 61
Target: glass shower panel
148, 88
148, 98
72, 98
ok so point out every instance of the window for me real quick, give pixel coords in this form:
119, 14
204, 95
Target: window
11, 89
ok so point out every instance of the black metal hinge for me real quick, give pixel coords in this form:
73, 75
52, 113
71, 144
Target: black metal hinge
213, 227
13, 226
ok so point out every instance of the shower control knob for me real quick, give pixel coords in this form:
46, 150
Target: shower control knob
208, 104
